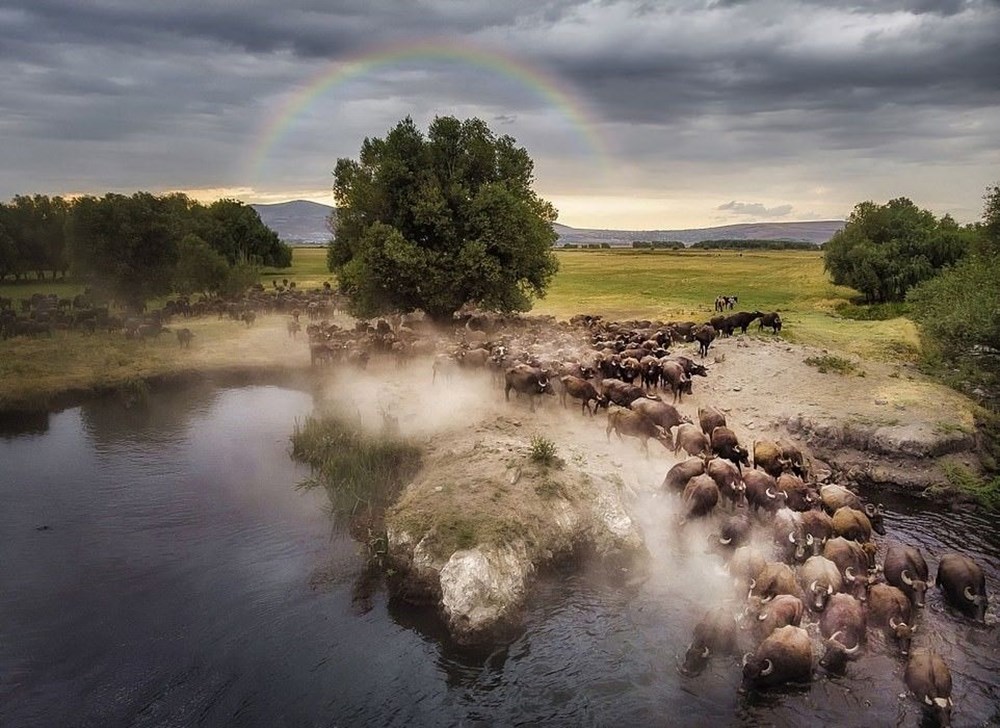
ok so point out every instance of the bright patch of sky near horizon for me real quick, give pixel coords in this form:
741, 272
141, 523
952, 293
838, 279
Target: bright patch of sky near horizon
638, 115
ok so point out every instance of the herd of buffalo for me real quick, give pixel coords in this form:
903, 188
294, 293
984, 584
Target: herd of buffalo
820, 564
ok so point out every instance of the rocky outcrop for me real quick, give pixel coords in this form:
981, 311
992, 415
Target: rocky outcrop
472, 532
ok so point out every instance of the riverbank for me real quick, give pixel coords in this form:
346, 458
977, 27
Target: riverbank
51, 372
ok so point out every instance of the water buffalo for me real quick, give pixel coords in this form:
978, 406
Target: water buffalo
184, 337
727, 477
524, 379
704, 335
843, 624
818, 525
837, 496
762, 491
904, 567
700, 496
725, 445
781, 611
784, 656
735, 531
691, 367
621, 393
767, 457
746, 564
673, 375
662, 413
794, 457
852, 560
771, 320
820, 579
715, 632
581, 389
636, 424
963, 584
889, 609
692, 440
741, 320
678, 476
927, 676
798, 496
852, 524
774, 579
709, 418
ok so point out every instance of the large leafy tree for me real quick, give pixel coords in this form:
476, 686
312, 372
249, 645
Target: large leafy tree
125, 245
438, 221
884, 250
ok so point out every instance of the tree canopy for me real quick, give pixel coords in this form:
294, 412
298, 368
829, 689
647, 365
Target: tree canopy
884, 250
438, 221
959, 311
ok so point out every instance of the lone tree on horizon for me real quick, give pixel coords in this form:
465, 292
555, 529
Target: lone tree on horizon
438, 221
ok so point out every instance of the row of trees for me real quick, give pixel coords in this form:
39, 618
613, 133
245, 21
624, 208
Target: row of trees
137, 246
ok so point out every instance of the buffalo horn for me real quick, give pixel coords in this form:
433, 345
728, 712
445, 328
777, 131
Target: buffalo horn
829, 588
762, 616
893, 623
770, 494
791, 537
849, 574
969, 595
927, 699
853, 650
746, 657
905, 576
881, 508
809, 539
812, 587
725, 541
767, 670
706, 651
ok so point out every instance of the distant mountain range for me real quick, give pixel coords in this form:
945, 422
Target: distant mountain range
298, 222
301, 222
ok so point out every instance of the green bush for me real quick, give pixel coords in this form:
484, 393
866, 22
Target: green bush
543, 450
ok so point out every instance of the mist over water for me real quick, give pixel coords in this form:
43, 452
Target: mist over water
181, 578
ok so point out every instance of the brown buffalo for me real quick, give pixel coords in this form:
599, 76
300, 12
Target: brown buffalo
784, 656
963, 584
890, 610
843, 624
716, 632
678, 476
904, 567
927, 676
636, 424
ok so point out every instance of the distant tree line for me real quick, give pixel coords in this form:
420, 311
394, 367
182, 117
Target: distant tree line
733, 244
658, 245
136, 246
586, 246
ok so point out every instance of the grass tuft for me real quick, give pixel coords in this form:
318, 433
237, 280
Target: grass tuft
987, 492
831, 363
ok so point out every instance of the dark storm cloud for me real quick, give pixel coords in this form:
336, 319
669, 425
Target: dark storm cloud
188, 84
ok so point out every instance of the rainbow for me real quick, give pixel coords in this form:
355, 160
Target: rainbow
555, 92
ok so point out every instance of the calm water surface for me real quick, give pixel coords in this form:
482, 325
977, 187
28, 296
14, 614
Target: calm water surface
158, 567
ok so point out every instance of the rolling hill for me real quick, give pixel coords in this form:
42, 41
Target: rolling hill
301, 222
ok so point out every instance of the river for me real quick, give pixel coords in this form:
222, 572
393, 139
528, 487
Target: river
159, 567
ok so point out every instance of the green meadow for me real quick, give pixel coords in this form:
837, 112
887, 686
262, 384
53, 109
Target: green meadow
683, 285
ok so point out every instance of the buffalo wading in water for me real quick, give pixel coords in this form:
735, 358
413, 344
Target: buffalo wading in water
963, 584
784, 656
928, 678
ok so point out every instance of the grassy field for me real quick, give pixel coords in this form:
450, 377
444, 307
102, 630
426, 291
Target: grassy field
683, 285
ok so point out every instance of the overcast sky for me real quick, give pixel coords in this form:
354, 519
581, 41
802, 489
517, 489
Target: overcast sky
639, 115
